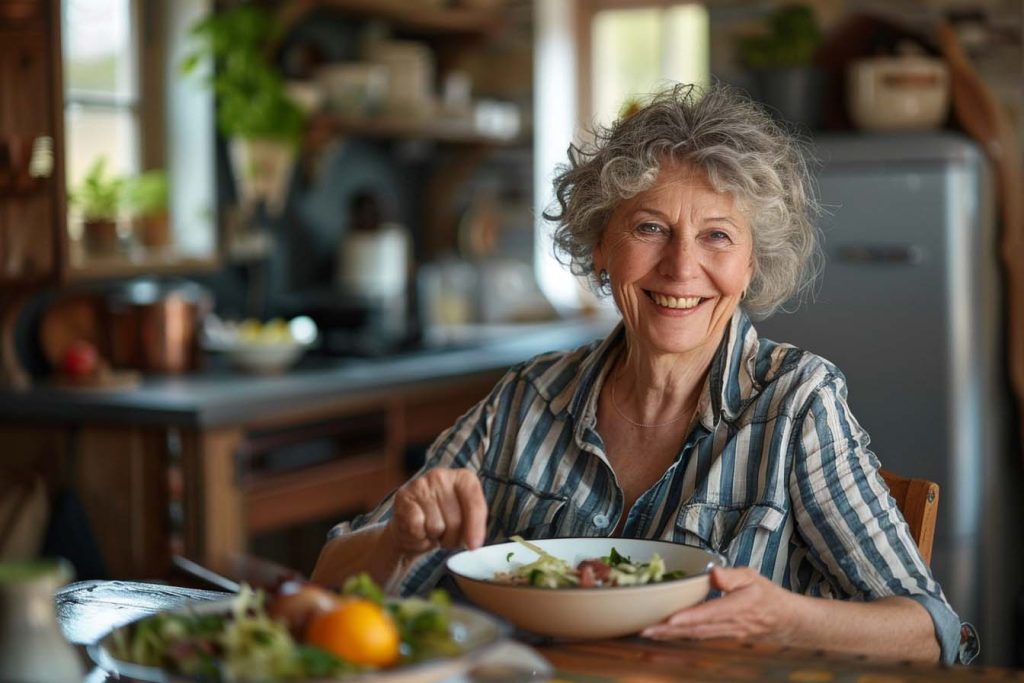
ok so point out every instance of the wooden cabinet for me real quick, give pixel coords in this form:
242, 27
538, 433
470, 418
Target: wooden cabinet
31, 187
152, 491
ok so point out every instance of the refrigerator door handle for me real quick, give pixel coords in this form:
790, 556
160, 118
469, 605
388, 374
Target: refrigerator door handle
881, 254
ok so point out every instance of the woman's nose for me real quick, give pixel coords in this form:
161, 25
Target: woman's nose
679, 261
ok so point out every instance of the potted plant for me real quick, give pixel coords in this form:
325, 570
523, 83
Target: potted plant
98, 200
781, 62
253, 109
145, 199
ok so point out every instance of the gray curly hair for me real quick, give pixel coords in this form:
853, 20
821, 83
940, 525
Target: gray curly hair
744, 152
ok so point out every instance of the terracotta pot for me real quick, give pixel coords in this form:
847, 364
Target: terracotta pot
100, 235
154, 232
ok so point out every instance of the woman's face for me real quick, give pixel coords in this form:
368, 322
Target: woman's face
679, 256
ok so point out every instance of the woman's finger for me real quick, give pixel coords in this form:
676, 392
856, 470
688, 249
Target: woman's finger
407, 523
448, 504
470, 496
730, 579
695, 632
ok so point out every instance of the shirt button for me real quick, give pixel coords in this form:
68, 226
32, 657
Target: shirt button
600, 521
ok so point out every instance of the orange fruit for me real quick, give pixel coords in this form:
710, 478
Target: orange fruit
358, 631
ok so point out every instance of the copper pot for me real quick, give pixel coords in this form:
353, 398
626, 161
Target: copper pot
154, 326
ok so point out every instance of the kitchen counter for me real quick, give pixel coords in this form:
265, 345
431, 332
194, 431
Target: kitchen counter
203, 463
221, 396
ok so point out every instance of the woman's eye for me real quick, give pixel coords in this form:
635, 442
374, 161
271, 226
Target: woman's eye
719, 236
649, 229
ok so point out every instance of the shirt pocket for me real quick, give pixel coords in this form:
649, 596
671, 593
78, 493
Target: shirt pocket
725, 529
518, 508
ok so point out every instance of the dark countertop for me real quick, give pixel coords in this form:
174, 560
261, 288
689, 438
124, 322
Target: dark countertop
223, 397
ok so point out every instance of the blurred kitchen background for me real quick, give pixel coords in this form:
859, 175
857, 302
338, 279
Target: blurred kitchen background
255, 256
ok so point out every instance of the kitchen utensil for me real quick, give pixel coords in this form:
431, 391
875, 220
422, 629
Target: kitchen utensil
904, 92
583, 612
154, 325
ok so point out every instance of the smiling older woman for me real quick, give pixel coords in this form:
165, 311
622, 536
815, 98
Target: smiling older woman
682, 424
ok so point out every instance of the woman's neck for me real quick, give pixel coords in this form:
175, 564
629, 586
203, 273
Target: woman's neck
657, 388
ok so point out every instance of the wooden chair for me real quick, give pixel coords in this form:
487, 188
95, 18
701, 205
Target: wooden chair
918, 500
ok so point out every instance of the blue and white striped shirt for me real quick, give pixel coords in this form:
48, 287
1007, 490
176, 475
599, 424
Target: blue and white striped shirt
775, 474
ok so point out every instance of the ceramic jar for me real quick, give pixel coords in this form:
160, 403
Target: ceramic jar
32, 648
907, 92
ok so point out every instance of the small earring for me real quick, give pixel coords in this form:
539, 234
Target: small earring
603, 279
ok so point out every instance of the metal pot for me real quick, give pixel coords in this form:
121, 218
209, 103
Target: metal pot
154, 326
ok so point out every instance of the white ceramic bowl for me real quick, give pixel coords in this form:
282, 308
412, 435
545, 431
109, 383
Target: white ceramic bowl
263, 358
579, 613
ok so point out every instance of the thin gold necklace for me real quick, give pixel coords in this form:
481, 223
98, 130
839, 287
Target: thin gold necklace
615, 405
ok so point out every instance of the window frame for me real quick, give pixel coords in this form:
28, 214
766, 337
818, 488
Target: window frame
586, 10
145, 103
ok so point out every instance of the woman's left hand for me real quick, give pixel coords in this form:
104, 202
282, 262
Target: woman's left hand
752, 608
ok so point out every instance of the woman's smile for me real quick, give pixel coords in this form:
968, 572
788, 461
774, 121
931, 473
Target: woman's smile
675, 305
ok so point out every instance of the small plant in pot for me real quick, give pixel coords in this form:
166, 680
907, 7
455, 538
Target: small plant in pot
98, 201
781, 62
254, 111
145, 199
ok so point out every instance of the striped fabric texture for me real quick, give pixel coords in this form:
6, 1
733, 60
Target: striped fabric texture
775, 473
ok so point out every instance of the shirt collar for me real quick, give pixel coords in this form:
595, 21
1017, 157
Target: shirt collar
729, 386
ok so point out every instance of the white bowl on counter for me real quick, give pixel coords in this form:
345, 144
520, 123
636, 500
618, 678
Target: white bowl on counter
260, 353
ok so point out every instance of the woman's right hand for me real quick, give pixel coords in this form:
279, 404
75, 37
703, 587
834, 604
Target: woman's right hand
443, 507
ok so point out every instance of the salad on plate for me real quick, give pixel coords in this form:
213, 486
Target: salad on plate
299, 632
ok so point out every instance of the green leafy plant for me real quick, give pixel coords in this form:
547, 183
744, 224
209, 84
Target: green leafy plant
792, 39
146, 194
251, 97
98, 197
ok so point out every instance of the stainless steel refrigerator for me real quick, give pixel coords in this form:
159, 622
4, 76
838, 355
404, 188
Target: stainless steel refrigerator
909, 308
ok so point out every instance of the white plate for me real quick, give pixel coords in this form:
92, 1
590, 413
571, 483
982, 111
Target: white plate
579, 613
477, 634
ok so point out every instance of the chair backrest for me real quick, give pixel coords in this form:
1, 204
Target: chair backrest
918, 500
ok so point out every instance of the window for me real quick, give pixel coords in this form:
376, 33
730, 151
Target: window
125, 102
637, 49
101, 87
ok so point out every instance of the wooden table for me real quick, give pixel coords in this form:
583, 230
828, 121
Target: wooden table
88, 609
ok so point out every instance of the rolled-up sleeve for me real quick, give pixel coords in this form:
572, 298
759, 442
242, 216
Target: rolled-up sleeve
855, 532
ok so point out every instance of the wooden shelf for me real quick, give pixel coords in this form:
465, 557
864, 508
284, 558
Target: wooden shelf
401, 14
164, 262
325, 127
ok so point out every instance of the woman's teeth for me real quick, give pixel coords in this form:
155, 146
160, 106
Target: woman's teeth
673, 302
